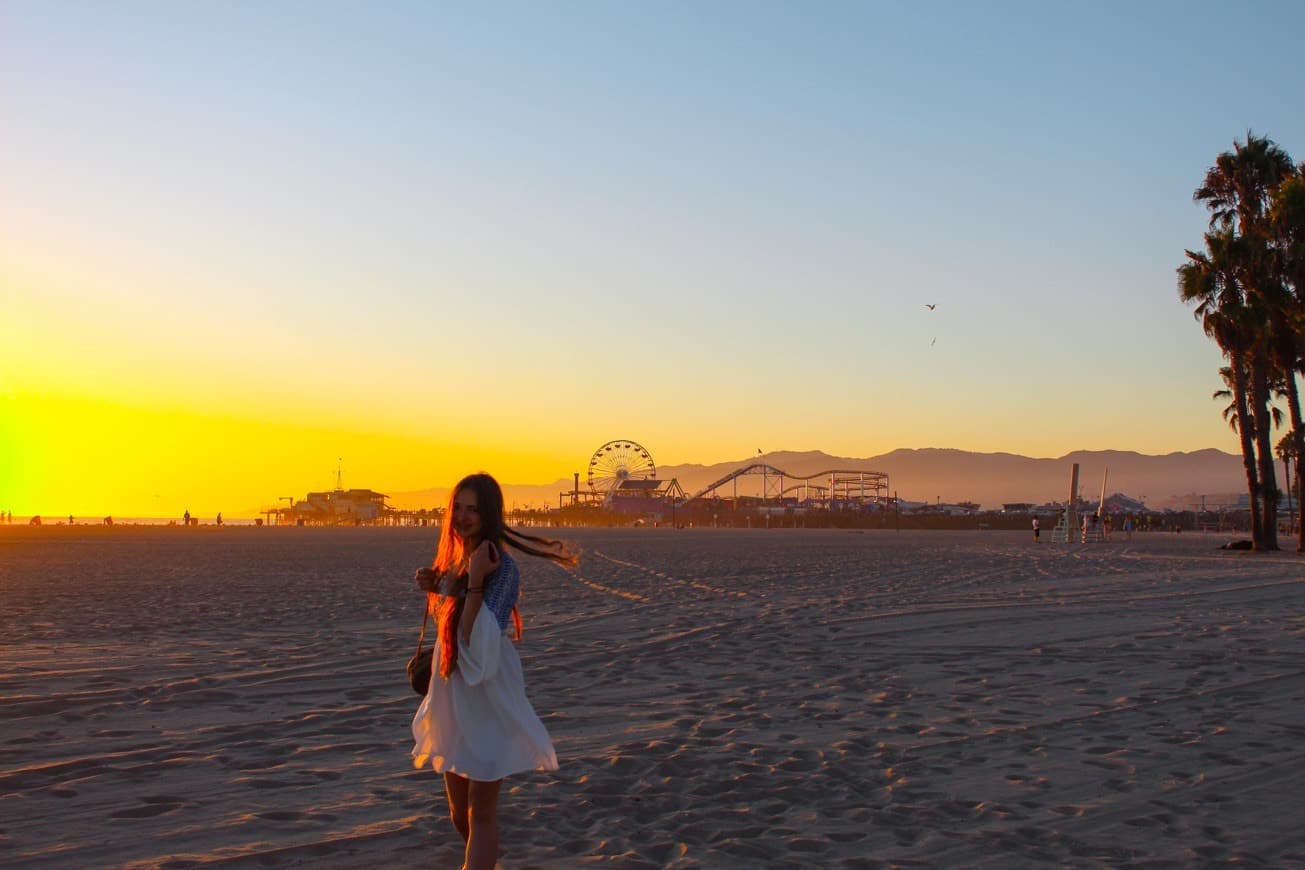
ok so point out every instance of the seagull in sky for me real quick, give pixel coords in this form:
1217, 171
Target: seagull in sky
932, 343
931, 307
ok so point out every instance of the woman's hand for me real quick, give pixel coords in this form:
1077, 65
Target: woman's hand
427, 579
484, 561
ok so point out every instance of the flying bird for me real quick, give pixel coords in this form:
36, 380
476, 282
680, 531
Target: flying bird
932, 343
931, 307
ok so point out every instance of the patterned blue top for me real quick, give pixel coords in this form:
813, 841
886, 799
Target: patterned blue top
502, 588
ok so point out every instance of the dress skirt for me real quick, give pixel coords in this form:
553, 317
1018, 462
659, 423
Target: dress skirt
478, 723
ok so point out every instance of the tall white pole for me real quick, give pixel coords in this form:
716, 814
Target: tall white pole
1071, 505
1101, 506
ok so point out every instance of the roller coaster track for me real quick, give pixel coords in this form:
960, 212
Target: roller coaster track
873, 483
820, 491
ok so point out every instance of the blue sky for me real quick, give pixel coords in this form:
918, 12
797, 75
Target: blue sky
696, 225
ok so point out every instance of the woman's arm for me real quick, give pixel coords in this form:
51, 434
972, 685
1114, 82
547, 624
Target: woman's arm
484, 562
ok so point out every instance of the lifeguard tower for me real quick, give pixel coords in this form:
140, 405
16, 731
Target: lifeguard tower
1071, 528
1067, 530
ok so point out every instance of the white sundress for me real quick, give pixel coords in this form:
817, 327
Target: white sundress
478, 722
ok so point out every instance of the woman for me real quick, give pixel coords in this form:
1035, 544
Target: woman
475, 725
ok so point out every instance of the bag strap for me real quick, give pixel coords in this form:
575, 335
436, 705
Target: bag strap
425, 616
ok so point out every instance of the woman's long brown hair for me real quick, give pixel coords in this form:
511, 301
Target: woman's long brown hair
451, 556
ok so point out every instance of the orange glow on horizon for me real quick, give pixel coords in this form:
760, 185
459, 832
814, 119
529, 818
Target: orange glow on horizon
94, 458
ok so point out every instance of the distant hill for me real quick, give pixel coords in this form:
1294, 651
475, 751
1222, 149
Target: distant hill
991, 479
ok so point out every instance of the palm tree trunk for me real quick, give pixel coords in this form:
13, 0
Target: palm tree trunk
1237, 362
1293, 403
1291, 508
1264, 450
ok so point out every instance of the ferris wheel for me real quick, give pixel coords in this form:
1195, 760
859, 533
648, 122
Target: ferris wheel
616, 462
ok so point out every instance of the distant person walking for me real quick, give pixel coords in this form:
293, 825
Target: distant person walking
186, 517
1037, 530
475, 724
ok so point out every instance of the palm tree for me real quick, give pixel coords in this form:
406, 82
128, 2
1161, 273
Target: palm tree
1286, 447
1239, 193
1239, 189
1210, 280
1230, 411
1288, 221
1286, 451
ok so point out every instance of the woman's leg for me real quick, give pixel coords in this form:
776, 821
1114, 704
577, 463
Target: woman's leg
482, 845
456, 787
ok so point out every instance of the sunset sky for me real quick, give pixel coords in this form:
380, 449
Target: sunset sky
242, 242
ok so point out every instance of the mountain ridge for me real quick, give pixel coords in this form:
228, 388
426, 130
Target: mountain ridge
949, 474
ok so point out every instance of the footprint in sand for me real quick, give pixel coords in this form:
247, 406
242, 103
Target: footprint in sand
150, 806
270, 783
806, 846
1068, 810
1223, 759
281, 815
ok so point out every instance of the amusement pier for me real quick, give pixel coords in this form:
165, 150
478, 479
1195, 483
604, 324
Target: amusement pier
621, 487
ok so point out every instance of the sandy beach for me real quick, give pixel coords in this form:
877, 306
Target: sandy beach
177, 697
